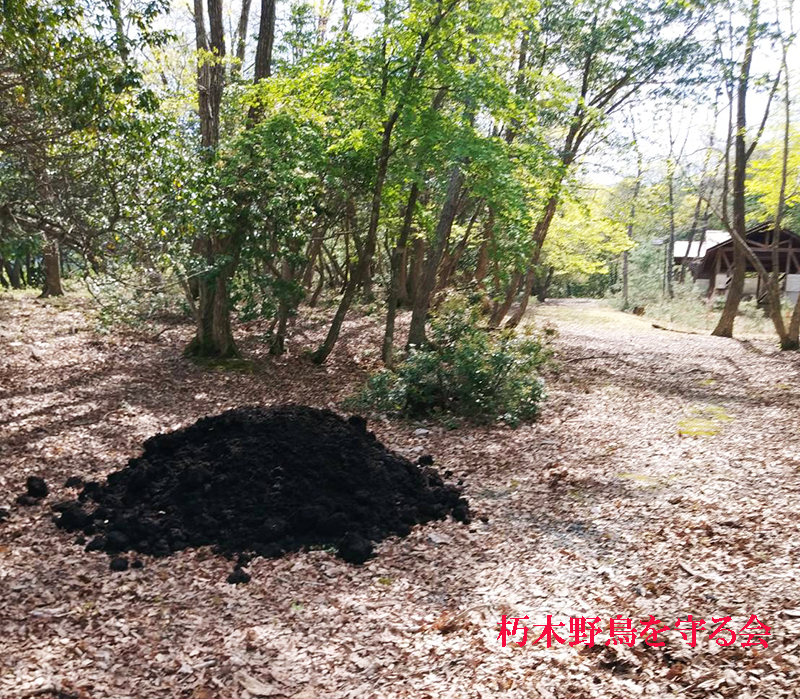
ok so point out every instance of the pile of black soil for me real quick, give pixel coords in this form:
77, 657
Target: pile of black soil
262, 482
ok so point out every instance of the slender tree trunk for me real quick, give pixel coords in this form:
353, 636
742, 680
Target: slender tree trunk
482, 265
402, 278
313, 253
278, 344
541, 294
450, 265
422, 298
3, 281
671, 241
396, 285
29, 267
415, 269
384, 155
539, 235
320, 284
788, 336
690, 239
631, 221
241, 35
51, 264
324, 350
500, 309
724, 327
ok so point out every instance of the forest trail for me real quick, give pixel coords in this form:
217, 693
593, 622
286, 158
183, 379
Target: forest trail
662, 479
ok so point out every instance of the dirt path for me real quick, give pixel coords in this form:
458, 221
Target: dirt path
662, 480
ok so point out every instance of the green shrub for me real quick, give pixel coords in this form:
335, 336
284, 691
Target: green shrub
465, 371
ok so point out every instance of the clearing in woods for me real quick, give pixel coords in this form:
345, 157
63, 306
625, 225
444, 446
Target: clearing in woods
662, 479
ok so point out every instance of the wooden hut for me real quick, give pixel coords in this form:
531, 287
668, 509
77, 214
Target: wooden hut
716, 264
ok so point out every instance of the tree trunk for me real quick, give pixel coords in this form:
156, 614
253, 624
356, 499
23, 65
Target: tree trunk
12, 270
320, 284
417, 260
631, 221
29, 267
671, 240
690, 239
324, 350
539, 235
450, 264
313, 252
787, 339
422, 299
482, 265
241, 35
266, 40
214, 337
384, 154
278, 344
527, 290
397, 281
724, 327
501, 308
402, 278
51, 263
541, 293
3, 281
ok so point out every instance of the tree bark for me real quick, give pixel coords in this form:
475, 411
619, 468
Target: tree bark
482, 265
241, 35
450, 263
501, 308
397, 281
541, 293
13, 272
422, 298
324, 350
539, 235
266, 40
51, 264
415, 268
278, 344
214, 336
671, 241
724, 327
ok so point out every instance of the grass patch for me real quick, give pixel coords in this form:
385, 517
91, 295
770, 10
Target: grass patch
704, 421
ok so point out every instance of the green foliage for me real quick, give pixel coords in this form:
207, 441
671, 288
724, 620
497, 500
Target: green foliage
765, 175
466, 371
131, 300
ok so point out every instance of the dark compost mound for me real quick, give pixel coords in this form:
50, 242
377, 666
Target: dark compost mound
262, 481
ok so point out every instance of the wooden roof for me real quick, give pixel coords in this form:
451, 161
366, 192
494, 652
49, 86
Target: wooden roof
759, 239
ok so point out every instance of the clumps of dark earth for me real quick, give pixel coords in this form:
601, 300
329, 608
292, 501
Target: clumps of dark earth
35, 490
260, 482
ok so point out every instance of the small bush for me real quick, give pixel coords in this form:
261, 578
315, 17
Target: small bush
133, 299
466, 371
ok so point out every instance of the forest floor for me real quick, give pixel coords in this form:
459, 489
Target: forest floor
662, 479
